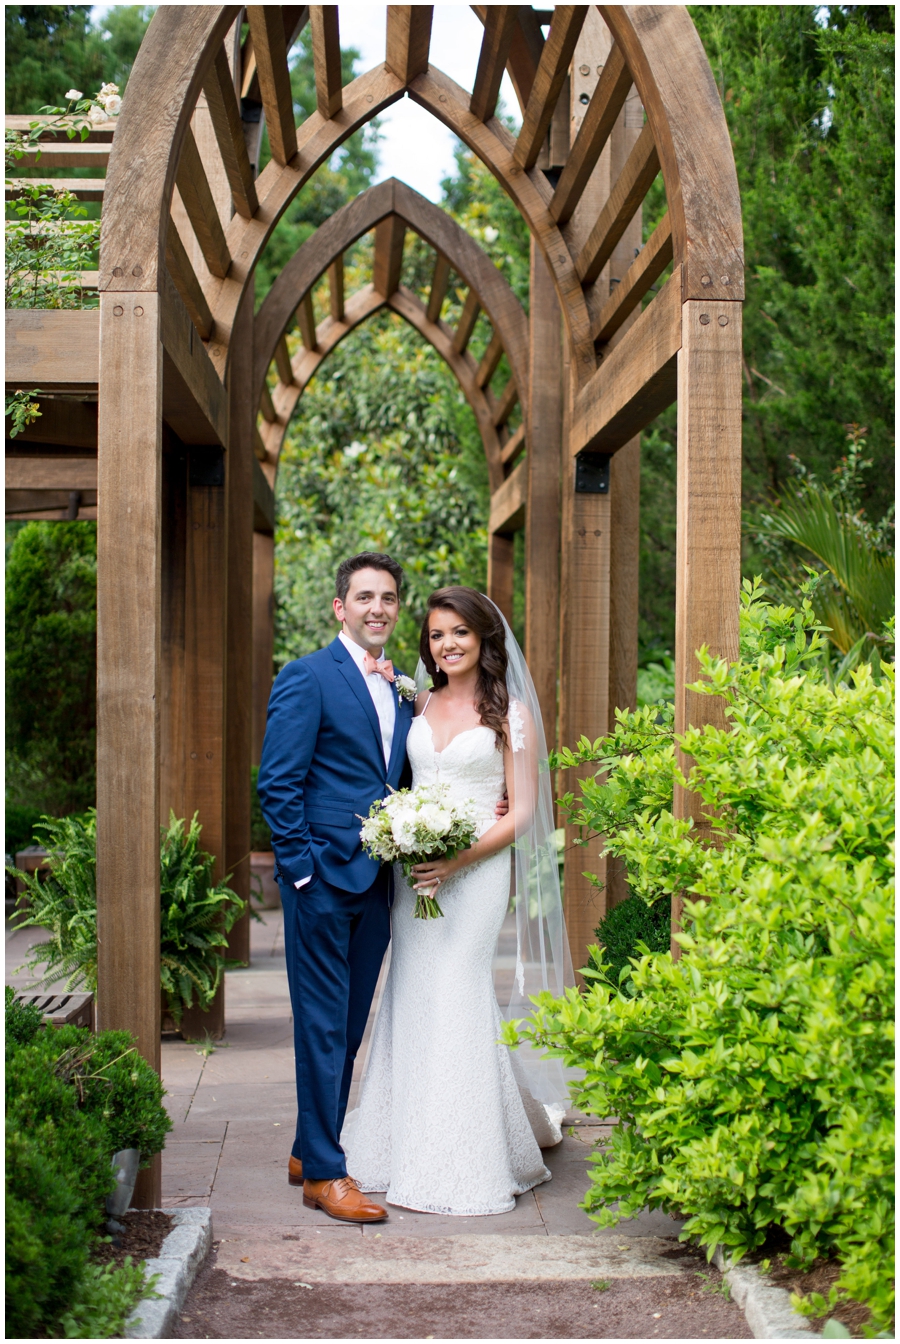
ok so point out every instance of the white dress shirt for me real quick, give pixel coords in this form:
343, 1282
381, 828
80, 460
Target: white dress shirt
384, 697
384, 700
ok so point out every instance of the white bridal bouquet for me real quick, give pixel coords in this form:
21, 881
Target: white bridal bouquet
412, 826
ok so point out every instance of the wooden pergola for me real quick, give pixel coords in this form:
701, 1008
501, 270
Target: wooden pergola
162, 416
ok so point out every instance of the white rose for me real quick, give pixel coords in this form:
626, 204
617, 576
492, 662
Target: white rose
73, 95
113, 105
96, 115
491, 235
107, 90
437, 819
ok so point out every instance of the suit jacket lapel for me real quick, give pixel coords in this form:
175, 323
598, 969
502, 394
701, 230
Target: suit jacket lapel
356, 681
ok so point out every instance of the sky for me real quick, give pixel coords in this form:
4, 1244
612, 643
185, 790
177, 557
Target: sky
414, 147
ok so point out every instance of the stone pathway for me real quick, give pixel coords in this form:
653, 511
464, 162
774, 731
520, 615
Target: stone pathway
280, 1270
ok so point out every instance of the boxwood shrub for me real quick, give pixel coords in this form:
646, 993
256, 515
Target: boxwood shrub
72, 1100
753, 1077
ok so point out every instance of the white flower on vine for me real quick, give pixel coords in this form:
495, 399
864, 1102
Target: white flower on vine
113, 105
107, 90
96, 115
73, 95
491, 235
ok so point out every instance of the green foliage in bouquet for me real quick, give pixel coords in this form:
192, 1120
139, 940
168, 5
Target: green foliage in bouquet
72, 1100
753, 1078
196, 913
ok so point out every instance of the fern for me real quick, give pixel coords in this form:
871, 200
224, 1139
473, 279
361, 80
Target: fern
196, 913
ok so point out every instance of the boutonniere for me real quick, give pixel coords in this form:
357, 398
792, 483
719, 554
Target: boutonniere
406, 688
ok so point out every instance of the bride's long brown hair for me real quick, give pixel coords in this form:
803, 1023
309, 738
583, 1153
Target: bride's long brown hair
483, 619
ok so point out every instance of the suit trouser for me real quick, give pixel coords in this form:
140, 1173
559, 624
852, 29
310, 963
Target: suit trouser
335, 942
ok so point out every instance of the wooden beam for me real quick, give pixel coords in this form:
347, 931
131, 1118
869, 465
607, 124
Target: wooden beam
489, 360
283, 362
548, 82
197, 198
263, 501
514, 446
102, 131
646, 268
326, 45
508, 503
66, 154
189, 287
508, 398
270, 50
259, 448
390, 235
267, 406
82, 188
62, 424
225, 116
625, 198
336, 288
53, 349
194, 402
51, 473
439, 282
306, 320
636, 380
499, 27
605, 105
466, 324
408, 40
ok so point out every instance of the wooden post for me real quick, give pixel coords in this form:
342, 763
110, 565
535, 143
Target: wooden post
239, 629
263, 634
708, 538
206, 574
502, 571
543, 465
586, 552
129, 476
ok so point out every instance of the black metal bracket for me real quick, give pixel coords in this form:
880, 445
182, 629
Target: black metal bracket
592, 474
206, 464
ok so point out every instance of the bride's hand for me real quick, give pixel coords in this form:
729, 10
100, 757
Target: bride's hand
429, 875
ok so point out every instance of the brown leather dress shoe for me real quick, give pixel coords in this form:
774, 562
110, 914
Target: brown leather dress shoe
342, 1199
295, 1171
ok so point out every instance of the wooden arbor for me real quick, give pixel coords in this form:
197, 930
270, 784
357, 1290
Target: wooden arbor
184, 223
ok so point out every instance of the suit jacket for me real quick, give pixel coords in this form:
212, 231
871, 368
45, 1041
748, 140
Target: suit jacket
323, 767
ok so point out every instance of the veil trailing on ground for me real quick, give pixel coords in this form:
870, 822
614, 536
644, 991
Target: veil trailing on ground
542, 958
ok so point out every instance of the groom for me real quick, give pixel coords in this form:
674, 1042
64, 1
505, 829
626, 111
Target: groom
335, 742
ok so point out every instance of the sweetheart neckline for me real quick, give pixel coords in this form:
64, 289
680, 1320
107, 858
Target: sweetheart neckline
477, 728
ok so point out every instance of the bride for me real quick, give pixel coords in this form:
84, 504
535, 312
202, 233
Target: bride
451, 1121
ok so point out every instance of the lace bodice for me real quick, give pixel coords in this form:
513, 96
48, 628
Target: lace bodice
470, 764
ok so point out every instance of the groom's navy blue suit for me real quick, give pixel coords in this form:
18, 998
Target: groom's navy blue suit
322, 768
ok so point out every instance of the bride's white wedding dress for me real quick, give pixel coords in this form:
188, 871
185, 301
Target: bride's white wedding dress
443, 1125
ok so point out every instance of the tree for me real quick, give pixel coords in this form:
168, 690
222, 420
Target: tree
52, 48
51, 627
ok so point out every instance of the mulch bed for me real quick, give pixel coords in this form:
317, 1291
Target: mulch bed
819, 1279
145, 1232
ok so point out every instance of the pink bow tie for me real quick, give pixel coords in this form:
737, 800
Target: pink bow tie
385, 667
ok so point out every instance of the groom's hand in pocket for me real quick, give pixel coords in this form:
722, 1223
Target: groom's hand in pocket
502, 808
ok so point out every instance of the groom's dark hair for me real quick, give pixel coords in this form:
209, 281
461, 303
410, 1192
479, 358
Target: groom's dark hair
366, 560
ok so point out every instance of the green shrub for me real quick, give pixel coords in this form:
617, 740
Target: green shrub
753, 1078
72, 1100
196, 913
23, 1021
20, 823
628, 924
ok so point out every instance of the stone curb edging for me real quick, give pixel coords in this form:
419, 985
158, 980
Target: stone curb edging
766, 1306
181, 1255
